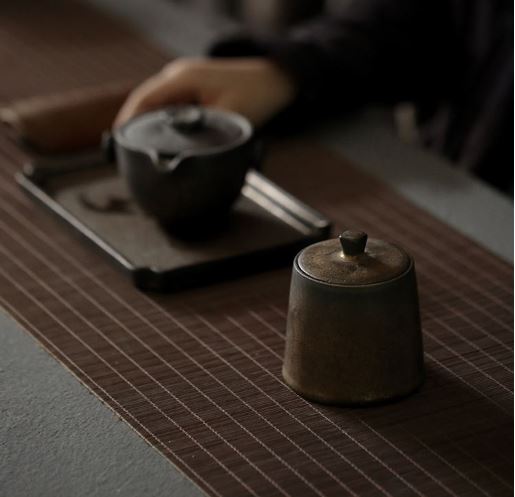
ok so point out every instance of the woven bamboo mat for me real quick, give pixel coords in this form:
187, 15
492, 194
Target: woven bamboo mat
198, 374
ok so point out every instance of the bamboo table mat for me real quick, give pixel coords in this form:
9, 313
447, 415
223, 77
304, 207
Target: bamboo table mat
197, 374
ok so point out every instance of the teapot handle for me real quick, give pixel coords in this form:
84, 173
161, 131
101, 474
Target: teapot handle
107, 146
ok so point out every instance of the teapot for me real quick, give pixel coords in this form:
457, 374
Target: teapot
184, 164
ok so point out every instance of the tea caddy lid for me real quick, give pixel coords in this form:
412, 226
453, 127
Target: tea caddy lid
353, 260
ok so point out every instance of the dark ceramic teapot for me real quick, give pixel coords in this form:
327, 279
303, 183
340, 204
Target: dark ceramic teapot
185, 164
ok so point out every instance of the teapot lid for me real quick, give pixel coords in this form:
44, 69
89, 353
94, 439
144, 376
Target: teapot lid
353, 260
184, 128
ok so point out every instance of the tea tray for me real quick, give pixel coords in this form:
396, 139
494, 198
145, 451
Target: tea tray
265, 229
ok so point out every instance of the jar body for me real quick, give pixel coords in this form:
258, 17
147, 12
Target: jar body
353, 345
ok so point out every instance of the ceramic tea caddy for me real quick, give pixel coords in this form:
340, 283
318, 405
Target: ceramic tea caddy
184, 164
353, 329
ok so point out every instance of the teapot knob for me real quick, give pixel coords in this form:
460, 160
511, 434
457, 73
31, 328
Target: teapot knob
187, 119
353, 242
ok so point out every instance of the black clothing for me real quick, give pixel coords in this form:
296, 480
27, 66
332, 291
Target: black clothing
452, 58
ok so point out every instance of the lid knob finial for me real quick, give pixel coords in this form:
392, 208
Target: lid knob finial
187, 119
353, 242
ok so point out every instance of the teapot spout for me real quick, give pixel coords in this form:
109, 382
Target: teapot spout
166, 164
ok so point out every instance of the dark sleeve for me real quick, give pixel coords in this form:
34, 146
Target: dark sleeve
372, 50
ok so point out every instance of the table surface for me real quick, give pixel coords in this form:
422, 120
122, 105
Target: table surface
58, 439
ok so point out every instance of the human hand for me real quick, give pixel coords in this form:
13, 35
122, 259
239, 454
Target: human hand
253, 87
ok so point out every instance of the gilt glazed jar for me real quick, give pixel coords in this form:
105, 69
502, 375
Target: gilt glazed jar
353, 328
